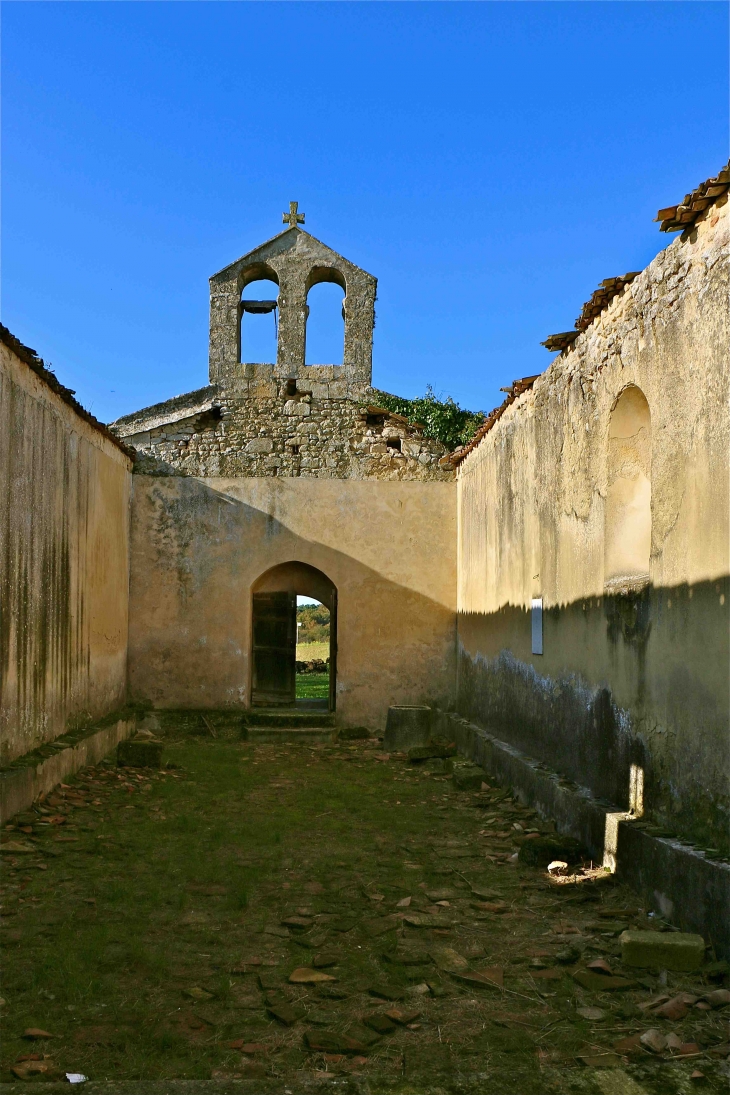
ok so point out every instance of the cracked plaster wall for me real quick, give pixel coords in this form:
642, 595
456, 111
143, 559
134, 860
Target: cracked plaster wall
64, 564
638, 675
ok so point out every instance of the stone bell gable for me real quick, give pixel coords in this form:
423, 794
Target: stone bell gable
285, 418
295, 261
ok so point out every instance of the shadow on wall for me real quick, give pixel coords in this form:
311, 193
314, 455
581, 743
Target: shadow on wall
196, 554
666, 711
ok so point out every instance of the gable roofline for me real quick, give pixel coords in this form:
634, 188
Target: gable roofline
252, 255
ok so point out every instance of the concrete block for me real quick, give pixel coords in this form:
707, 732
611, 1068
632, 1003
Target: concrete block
679, 951
407, 726
139, 754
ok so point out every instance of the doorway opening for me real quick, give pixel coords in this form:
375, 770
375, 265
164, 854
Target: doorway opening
294, 639
313, 649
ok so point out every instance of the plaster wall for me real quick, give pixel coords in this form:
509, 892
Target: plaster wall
199, 545
65, 490
635, 667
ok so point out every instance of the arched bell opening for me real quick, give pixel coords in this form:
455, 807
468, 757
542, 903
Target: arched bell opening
324, 342
275, 681
258, 327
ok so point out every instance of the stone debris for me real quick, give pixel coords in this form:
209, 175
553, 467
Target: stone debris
594, 1014
478, 935
380, 1022
329, 1042
601, 982
196, 993
448, 960
401, 1017
283, 1012
305, 976
653, 1040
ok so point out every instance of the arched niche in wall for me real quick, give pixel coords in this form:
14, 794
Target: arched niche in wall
258, 327
325, 331
627, 534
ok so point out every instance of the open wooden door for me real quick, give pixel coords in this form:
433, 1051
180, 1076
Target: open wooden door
274, 649
333, 649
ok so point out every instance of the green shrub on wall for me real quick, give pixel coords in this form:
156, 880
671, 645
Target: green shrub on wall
443, 419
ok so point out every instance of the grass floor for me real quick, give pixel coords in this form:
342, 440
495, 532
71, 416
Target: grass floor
313, 686
154, 924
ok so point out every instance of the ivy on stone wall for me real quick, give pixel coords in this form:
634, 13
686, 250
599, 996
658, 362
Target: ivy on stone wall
443, 419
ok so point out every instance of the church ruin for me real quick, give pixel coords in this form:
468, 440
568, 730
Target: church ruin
560, 583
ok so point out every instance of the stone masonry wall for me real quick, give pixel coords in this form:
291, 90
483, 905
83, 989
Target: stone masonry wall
267, 431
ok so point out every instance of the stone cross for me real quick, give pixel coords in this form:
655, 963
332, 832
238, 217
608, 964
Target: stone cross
292, 218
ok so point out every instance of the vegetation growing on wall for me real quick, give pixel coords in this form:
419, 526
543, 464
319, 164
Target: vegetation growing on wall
443, 419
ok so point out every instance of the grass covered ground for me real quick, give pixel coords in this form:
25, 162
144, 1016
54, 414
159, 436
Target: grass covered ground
313, 686
154, 923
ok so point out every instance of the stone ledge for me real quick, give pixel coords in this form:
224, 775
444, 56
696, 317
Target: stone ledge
343, 1085
20, 787
675, 879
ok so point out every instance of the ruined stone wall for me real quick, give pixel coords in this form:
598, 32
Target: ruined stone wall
64, 573
199, 545
255, 427
634, 669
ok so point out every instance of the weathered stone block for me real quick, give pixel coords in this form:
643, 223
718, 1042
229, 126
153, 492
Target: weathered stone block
434, 749
337, 389
468, 777
139, 754
260, 444
292, 406
406, 726
681, 951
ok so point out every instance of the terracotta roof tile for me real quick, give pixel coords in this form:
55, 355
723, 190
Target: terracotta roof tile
677, 218
674, 218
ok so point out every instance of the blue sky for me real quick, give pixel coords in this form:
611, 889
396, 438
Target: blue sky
490, 163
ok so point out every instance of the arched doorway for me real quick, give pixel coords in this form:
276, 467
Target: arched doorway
274, 634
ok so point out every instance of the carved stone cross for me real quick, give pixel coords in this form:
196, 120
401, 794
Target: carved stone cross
292, 218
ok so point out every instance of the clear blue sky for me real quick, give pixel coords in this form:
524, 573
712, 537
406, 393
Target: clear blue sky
490, 163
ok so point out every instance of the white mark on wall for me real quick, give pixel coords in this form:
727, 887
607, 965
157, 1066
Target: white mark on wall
636, 790
537, 625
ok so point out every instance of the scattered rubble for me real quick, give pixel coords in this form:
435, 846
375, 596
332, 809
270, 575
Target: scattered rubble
399, 937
